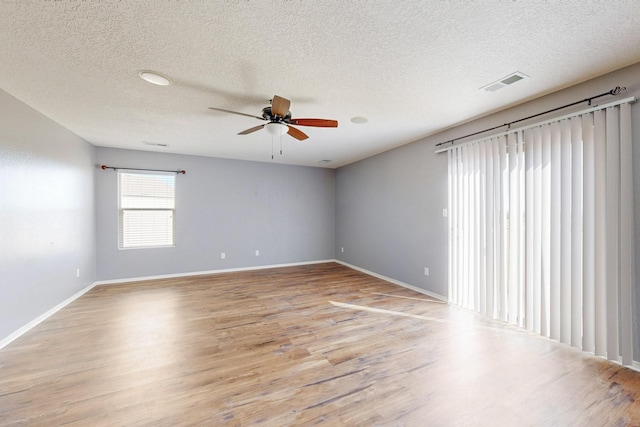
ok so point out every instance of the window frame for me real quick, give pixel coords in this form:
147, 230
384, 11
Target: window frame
121, 210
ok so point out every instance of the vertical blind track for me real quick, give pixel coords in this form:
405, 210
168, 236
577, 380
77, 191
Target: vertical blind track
615, 91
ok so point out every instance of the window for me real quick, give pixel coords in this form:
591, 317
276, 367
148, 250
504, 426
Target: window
146, 209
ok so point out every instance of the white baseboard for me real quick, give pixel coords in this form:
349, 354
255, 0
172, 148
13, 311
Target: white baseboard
395, 282
202, 273
24, 329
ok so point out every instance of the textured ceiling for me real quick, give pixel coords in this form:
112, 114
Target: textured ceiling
412, 68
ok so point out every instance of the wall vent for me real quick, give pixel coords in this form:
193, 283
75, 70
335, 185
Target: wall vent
155, 144
505, 81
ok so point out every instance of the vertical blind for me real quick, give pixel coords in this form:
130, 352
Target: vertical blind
541, 229
146, 208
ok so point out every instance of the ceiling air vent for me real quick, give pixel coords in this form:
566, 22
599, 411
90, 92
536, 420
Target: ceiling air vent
505, 81
155, 144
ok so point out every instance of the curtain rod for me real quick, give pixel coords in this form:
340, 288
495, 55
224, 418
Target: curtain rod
615, 91
630, 100
105, 167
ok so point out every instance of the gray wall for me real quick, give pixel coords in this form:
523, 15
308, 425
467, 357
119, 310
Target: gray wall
389, 207
389, 216
47, 228
231, 206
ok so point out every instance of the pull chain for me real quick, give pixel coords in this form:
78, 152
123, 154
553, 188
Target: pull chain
273, 146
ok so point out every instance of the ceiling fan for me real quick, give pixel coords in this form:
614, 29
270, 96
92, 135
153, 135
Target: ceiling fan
279, 121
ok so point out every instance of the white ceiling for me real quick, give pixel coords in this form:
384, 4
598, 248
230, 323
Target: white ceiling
412, 68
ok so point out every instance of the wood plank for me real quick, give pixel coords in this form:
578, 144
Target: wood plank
268, 347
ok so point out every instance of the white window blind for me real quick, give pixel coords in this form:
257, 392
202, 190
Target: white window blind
146, 209
541, 229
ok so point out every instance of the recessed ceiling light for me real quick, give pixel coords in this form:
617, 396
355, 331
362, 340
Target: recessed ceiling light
155, 78
359, 120
324, 161
155, 144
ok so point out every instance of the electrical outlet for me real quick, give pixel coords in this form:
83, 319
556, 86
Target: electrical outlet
223, 255
445, 212
342, 250
77, 272
257, 252
426, 271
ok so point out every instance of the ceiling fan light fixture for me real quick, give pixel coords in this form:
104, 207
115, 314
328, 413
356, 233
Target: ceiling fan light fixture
276, 129
155, 78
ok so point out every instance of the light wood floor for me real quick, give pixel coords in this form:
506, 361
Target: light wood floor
297, 346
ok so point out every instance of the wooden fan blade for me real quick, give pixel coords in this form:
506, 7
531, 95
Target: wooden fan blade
297, 134
253, 129
322, 123
280, 106
236, 112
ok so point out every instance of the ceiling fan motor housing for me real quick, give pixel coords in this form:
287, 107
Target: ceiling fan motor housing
268, 115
